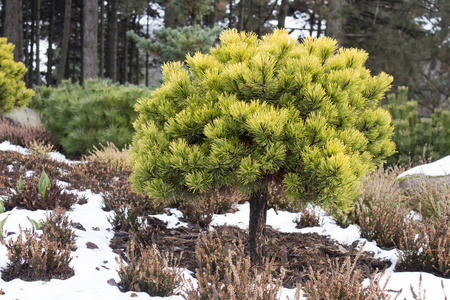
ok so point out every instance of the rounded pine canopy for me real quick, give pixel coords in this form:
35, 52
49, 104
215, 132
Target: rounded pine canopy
253, 110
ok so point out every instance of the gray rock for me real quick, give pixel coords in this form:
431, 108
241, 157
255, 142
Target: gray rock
24, 116
416, 183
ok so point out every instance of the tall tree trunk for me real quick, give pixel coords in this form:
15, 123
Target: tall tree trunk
12, 27
125, 51
230, 15
112, 24
31, 45
257, 225
90, 39
147, 55
101, 40
335, 20
282, 14
50, 46
172, 19
65, 41
38, 39
241, 16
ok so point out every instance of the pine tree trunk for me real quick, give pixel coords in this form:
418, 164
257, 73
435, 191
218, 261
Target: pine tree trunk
125, 51
90, 39
257, 226
12, 26
65, 41
335, 20
240, 25
282, 14
30, 60
230, 16
50, 46
38, 39
113, 28
101, 40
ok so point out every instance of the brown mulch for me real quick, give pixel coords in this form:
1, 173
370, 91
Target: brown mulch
296, 251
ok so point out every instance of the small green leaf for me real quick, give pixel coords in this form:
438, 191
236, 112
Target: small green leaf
2, 207
20, 184
2, 223
44, 182
37, 224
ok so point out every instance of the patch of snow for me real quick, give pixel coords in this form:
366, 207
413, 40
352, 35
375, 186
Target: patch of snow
440, 167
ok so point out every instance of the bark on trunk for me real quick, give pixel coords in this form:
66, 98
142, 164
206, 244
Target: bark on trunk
282, 14
50, 46
12, 27
335, 20
112, 66
90, 39
240, 25
101, 40
65, 41
38, 38
257, 226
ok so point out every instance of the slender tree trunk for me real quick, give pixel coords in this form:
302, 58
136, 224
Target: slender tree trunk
241, 16
125, 51
282, 14
32, 43
230, 15
12, 26
101, 40
172, 19
257, 226
112, 22
50, 46
90, 39
335, 20
38, 39
147, 55
65, 41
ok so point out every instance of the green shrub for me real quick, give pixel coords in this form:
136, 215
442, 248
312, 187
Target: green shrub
254, 111
12, 89
417, 138
84, 118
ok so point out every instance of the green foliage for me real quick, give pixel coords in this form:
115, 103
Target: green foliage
417, 138
44, 183
195, 9
12, 89
86, 118
174, 44
253, 110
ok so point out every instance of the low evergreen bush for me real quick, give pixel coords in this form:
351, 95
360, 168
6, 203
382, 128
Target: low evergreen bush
84, 118
417, 138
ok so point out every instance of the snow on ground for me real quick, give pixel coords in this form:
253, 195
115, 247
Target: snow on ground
440, 167
93, 268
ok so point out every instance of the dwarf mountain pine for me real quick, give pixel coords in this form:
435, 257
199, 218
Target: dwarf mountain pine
253, 111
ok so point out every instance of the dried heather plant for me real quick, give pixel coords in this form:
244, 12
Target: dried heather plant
39, 148
29, 197
430, 251
381, 211
379, 191
225, 273
22, 136
110, 155
33, 257
153, 272
430, 197
343, 282
58, 229
308, 217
